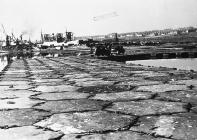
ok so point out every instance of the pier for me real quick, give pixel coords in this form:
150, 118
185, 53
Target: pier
162, 52
140, 53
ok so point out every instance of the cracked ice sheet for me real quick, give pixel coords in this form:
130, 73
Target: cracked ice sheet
14, 88
20, 117
151, 74
15, 76
77, 76
13, 71
177, 126
192, 82
47, 80
84, 79
23, 102
6, 78
4, 83
19, 87
59, 88
179, 96
162, 88
147, 107
28, 133
61, 96
123, 96
40, 71
72, 105
16, 94
124, 135
17, 99
70, 123
93, 83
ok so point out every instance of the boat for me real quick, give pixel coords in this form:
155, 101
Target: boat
55, 41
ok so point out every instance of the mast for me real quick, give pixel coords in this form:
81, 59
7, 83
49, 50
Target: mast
42, 39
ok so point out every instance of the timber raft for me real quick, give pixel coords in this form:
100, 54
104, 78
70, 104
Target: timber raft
82, 97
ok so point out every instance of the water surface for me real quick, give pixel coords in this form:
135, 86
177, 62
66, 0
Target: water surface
3, 62
184, 64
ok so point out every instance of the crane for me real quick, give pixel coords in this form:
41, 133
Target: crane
13, 37
3, 30
8, 38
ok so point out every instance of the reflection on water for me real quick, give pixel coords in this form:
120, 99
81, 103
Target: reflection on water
185, 64
3, 62
5, 59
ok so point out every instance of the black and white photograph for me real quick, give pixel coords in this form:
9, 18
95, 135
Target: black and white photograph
98, 69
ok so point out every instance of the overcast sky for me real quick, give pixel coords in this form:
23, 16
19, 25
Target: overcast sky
78, 15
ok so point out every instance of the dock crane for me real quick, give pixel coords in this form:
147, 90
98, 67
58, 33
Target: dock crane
8, 38
3, 29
